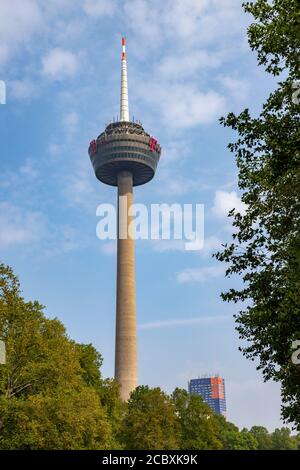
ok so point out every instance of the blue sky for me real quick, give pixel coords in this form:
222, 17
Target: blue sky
188, 64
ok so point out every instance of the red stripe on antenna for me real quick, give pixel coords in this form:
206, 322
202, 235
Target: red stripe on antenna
123, 41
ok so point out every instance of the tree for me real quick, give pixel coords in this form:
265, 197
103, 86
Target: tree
90, 361
108, 390
198, 425
67, 417
49, 386
115, 408
265, 249
263, 438
282, 440
232, 438
150, 421
248, 441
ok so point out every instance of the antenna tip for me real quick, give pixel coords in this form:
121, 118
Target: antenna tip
123, 41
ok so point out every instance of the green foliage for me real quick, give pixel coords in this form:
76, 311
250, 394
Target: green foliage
266, 244
263, 438
66, 418
150, 421
198, 425
90, 362
275, 34
282, 440
52, 396
49, 387
115, 408
232, 438
248, 441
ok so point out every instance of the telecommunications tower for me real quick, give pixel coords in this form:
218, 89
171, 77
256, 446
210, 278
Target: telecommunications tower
124, 155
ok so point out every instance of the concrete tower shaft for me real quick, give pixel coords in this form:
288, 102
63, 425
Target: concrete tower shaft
126, 371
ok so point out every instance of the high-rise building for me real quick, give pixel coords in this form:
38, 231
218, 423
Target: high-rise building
212, 390
124, 155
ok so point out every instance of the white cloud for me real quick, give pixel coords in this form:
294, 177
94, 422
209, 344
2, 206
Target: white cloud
145, 20
53, 5
71, 119
189, 64
208, 320
187, 107
29, 169
203, 21
18, 226
70, 122
174, 150
55, 149
18, 181
109, 248
199, 274
211, 244
162, 246
59, 63
78, 189
71, 30
237, 87
185, 22
225, 201
22, 89
19, 20
4, 53
190, 37
170, 183
183, 17
182, 105
99, 8
81, 188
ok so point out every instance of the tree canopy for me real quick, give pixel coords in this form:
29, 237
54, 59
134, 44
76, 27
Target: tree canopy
197, 423
49, 384
52, 396
265, 250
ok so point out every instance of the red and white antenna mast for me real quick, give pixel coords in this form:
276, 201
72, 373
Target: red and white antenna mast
124, 108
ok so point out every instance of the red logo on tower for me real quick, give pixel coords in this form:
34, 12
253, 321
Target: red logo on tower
153, 144
93, 147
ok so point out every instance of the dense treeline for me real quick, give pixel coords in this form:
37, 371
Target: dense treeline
52, 396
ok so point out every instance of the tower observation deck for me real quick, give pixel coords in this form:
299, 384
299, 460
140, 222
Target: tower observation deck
125, 155
124, 146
